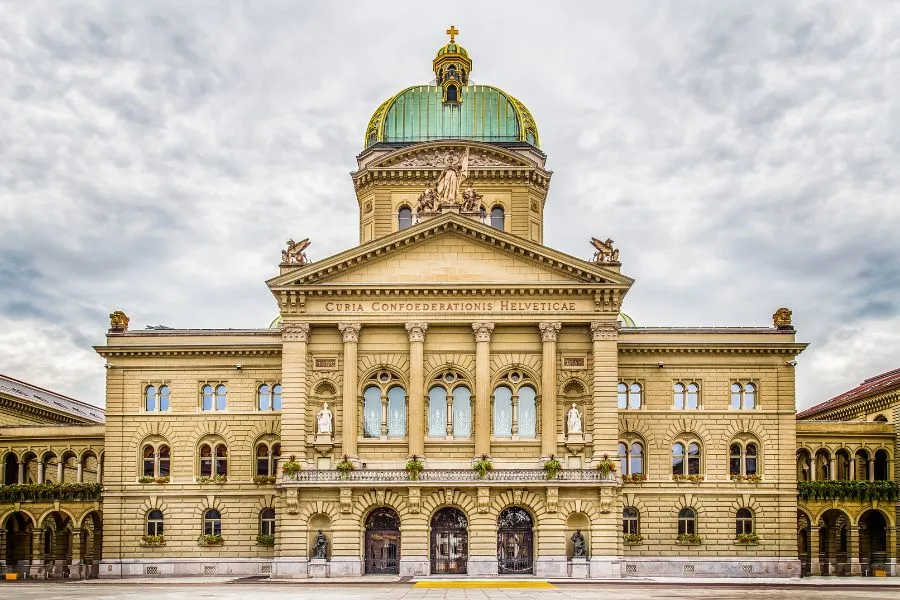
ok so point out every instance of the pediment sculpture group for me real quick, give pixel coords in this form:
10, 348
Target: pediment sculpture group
445, 191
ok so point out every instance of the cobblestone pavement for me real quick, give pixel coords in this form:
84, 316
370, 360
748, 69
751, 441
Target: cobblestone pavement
409, 591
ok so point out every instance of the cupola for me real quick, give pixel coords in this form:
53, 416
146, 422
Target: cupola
452, 66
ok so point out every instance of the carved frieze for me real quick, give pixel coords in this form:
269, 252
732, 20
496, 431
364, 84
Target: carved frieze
440, 157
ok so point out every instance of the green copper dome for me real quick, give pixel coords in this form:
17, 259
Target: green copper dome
484, 113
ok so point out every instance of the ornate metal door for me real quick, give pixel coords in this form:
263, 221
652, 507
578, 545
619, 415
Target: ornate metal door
382, 542
515, 542
449, 542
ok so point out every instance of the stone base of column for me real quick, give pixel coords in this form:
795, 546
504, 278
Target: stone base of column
855, 568
414, 565
482, 566
318, 568
37, 570
77, 570
289, 567
605, 567
551, 566
579, 568
345, 566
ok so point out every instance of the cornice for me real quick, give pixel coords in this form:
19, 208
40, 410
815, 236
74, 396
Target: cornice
847, 412
167, 351
44, 413
710, 348
422, 176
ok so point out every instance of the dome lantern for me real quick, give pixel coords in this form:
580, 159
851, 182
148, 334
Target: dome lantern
452, 66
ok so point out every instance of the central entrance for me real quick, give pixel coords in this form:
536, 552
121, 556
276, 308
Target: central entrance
515, 542
383, 542
449, 542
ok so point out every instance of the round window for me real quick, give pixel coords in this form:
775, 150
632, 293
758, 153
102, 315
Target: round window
384, 377
515, 377
450, 377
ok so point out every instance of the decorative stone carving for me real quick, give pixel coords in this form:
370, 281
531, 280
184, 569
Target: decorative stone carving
368, 207
292, 500
552, 499
324, 421
604, 330
380, 496
484, 499
295, 253
483, 331
346, 500
428, 201
578, 548
574, 420
439, 157
549, 330
471, 200
320, 550
782, 319
517, 496
295, 332
416, 331
118, 322
349, 331
606, 499
456, 169
605, 252
414, 500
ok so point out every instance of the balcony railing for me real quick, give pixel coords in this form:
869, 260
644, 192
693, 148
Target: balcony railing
451, 475
44, 492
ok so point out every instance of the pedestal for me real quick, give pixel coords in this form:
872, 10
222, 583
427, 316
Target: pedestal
575, 442
579, 568
318, 568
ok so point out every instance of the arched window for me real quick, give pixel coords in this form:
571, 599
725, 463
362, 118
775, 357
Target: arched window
750, 456
498, 218
881, 465
462, 412
164, 461
372, 412
527, 412
206, 461
636, 459
221, 460
149, 461
623, 458
437, 412
677, 458
155, 524
804, 465
396, 412
693, 458
221, 397
502, 412
267, 521
404, 217
686, 458
743, 396
687, 522
842, 464
822, 465
206, 398
213, 461
685, 396
744, 521
212, 522
862, 465
742, 460
150, 398
156, 461
452, 94
163, 398
263, 398
631, 521
213, 398
880, 419
267, 460
276, 397
629, 395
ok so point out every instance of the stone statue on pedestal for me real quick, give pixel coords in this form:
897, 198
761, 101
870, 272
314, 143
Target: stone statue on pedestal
323, 420
573, 420
321, 548
577, 544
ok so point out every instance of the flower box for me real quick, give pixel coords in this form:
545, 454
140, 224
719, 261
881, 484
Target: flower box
747, 539
216, 479
210, 540
264, 479
688, 539
152, 540
632, 539
265, 540
688, 478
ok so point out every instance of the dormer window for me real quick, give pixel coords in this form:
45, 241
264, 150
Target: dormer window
452, 94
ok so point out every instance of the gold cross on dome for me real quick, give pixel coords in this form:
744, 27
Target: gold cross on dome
452, 32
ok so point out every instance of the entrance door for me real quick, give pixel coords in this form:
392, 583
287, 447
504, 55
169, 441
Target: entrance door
383, 542
515, 542
449, 542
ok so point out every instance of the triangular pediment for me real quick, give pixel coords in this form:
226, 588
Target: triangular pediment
452, 250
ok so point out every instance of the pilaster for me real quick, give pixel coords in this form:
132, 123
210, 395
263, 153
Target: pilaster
416, 333
549, 334
350, 336
483, 333
605, 428
294, 340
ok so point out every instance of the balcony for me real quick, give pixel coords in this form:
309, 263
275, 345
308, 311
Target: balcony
439, 477
862, 491
50, 492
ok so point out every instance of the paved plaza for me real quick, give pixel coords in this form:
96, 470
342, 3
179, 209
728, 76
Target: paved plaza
436, 590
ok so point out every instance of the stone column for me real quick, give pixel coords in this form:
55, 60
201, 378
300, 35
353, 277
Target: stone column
79, 472
416, 413
350, 334
605, 428
815, 568
76, 569
483, 333
294, 340
60, 470
549, 334
21, 476
36, 570
853, 469
41, 466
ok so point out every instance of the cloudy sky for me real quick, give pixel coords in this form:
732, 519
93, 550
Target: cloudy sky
154, 156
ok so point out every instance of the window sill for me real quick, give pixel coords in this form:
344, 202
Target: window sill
536, 441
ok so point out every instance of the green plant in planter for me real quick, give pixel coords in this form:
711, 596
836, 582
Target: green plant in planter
153, 540
632, 538
345, 466
552, 467
689, 538
212, 539
264, 479
747, 538
414, 467
291, 467
217, 479
606, 466
162, 479
848, 490
265, 539
147, 479
483, 466
634, 478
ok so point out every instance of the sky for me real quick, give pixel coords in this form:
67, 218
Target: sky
155, 156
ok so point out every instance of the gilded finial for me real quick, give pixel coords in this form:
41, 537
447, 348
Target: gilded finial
452, 32
782, 319
118, 322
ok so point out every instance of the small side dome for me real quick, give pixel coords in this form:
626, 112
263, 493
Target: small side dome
276, 323
626, 320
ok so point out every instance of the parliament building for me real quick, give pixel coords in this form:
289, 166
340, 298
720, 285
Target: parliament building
450, 397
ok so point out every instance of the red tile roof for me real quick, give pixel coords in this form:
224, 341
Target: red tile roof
869, 387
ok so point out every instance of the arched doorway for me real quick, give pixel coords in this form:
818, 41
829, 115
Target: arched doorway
515, 541
382, 542
19, 529
834, 532
803, 528
872, 541
449, 542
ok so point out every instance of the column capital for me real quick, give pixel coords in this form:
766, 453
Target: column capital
295, 332
483, 331
549, 330
349, 331
416, 331
604, 330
